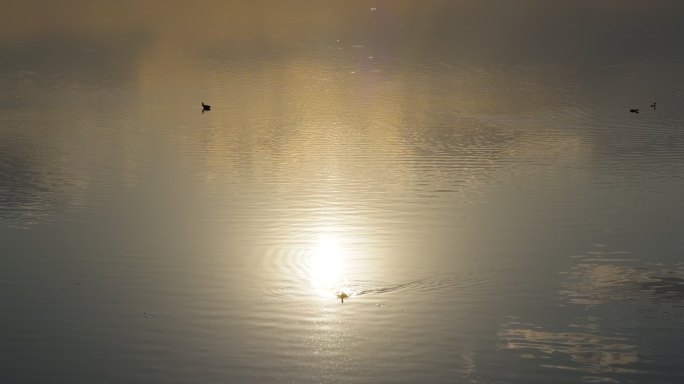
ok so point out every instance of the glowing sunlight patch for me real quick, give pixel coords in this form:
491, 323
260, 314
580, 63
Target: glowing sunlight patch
326, 267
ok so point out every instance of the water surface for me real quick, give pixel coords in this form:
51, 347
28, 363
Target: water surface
468, 173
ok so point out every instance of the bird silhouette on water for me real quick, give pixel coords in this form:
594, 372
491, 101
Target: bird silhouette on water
205, 107
342, 296
634, 110
654, 105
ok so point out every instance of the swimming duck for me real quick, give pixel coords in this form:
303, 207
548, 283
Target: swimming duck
634, 110
342, 296
654, 105
206, 107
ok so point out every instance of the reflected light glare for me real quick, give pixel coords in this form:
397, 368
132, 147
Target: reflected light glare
326, 267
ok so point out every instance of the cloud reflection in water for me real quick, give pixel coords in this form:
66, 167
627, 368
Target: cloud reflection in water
572, 350
608, 285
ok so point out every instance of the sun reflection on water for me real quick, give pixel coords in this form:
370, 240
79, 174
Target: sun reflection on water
326, 267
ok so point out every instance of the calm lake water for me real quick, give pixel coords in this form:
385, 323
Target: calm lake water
467, 172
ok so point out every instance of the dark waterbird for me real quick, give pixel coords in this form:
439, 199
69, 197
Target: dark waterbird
634, 110
654, 105
205, 107
342, 296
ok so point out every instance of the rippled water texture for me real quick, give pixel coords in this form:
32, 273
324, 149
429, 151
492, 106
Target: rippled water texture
466, 175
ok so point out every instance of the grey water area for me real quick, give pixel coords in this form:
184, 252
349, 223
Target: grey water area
468, 174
